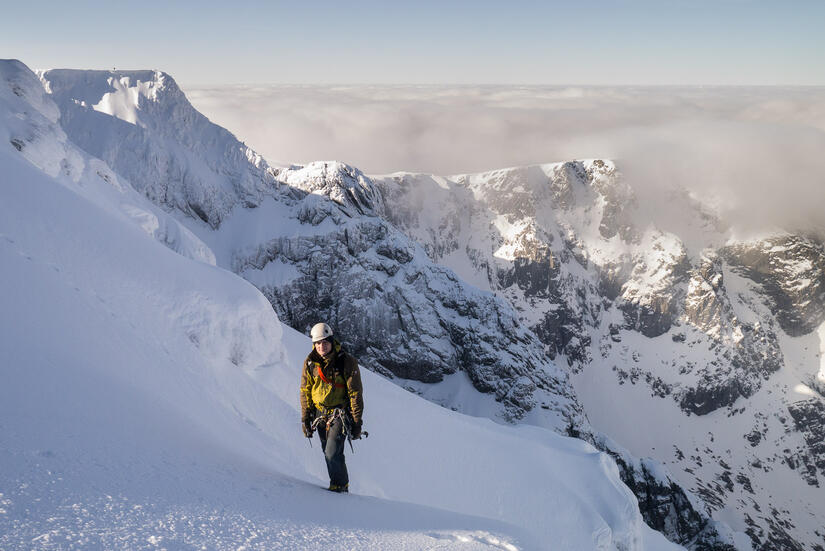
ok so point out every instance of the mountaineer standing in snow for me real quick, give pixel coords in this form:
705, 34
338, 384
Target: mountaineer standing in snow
331, 401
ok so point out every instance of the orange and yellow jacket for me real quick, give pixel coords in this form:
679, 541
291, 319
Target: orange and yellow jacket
331, 382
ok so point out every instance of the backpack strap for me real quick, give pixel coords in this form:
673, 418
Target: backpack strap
327, 381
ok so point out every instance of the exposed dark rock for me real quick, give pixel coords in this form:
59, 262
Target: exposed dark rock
791, 270
809, 419
612, 277
713, 393
665, 506
564, 334
534, 269
651, 318
754, 437
747, 354
652, 310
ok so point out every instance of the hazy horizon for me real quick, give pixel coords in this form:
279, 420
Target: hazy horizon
751, 152
724, 97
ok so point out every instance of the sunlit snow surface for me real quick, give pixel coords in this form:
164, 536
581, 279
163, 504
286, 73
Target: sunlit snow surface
149, 400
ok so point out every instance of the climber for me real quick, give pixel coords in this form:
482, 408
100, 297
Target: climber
331, 401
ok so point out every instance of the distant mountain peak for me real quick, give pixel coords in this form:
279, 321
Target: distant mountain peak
144, 127
343, 183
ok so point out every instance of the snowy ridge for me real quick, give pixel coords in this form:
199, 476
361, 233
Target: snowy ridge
31, 126
149, 133
344, 184
149, 401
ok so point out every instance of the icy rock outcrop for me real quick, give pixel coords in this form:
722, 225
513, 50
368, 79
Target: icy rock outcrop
791, 271
345, 185
809, 419
396, 310
746, 353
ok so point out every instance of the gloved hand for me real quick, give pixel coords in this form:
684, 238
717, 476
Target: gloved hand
355, 431
306, 424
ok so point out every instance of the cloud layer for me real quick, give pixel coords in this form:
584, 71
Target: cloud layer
756, 154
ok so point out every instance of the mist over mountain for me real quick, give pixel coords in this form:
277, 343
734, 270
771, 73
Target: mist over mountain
750, 151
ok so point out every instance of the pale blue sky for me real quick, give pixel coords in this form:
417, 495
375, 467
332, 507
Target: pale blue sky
456, 42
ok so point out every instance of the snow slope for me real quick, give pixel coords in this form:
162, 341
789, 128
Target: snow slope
148, 399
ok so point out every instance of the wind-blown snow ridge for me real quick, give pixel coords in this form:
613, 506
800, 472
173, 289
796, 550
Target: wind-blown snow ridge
167, 149
33, 129
149, 400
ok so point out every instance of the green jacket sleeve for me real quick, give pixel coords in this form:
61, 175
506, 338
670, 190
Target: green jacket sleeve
355, 390
305, 393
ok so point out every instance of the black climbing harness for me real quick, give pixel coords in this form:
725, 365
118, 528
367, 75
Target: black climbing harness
330, 417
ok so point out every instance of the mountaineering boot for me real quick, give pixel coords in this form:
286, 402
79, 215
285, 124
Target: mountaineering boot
339, 489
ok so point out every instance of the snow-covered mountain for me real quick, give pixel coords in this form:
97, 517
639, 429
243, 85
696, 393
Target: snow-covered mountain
691, 346
318, 242
315, 258
539, 295
149, 396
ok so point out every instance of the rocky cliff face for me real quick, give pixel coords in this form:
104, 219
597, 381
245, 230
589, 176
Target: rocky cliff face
545, 287
423, 322
701, 319
791, 272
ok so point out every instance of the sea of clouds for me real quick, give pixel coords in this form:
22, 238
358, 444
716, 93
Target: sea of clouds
755, 154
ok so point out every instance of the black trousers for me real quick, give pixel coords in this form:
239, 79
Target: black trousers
332, 444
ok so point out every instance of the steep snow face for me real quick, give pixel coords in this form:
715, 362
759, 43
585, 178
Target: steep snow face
141, 124
31, 125
149, 399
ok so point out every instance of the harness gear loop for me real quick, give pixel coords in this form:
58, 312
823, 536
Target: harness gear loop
346, 423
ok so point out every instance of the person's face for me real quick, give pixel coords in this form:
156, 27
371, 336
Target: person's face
323, 347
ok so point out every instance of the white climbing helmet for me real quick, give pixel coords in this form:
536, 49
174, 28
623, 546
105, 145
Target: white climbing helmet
320, 331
